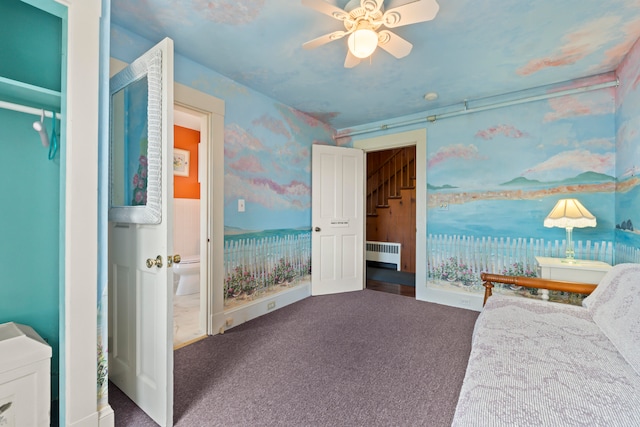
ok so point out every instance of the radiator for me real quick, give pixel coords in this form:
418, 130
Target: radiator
384, 252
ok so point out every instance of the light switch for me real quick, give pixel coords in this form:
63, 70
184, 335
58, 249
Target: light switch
240, 205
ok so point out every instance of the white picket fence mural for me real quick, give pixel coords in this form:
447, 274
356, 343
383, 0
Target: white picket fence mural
255, 266
626, 253
461, 259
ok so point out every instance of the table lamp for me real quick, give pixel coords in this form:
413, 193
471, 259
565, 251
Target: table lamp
569, 213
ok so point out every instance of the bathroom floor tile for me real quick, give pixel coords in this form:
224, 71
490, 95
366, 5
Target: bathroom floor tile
186, 323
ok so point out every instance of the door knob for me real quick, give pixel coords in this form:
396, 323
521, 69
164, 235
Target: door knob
175, 259
317, 228
157, 262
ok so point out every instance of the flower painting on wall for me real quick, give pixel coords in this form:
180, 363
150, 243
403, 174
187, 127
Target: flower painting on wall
139, 180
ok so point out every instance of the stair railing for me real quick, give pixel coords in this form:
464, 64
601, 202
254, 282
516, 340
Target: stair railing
386, 181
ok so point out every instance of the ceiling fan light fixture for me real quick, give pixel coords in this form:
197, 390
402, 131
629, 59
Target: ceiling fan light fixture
362, 42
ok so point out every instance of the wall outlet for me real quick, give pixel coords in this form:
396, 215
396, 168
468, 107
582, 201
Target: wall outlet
271, 305
240, 205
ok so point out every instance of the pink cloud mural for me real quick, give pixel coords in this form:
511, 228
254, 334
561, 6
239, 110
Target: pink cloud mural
628, 73
578, 160
618, 52
275, 126
599, 143
232, 12
573, 106
504, 130
293, 152
268, 193
294, 188
628, 133
236, 138
307, 120
247, 164
577, 45
455, 151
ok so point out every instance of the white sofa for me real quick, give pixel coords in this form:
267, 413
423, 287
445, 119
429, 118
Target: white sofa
537, 363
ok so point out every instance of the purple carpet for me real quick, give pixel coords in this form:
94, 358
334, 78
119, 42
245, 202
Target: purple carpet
358, 359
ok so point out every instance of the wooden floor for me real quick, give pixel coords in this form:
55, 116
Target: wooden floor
392, 288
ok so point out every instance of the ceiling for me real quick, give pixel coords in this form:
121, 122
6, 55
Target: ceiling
473, 49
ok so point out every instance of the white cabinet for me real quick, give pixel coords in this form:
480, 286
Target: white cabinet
25, 387
584, 271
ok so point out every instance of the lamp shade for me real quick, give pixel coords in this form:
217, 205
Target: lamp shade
569, 213
363, 42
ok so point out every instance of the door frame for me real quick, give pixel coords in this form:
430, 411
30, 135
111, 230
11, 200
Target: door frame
418, 138
211, 170
212, 112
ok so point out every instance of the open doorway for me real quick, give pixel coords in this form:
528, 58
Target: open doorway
417, 138
391, 220
189, 200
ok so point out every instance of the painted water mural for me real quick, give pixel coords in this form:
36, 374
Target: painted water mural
499, 173
628, 158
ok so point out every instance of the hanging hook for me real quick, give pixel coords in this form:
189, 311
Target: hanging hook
53, 148
40, 127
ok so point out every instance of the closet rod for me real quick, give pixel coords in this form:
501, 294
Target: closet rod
28, 110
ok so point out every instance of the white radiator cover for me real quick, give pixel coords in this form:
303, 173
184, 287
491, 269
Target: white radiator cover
384, 252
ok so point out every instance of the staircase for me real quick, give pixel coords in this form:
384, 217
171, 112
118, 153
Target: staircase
388, 173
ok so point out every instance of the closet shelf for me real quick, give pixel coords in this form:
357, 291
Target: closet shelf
24, 93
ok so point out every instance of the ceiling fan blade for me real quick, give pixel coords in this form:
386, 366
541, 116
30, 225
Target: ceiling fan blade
394, 44
351, 60
312, 44
411, 13
371, 6
327, 9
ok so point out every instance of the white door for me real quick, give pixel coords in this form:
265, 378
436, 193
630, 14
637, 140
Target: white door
140, 232
337, 244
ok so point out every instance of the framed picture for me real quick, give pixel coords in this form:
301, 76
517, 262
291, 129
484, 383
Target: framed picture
181, 162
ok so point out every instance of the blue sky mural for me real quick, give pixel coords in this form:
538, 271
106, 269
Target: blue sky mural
470, 50
268, 164
628, 151
501, 171
546, 141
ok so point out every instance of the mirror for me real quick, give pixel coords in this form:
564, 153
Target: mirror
135, 147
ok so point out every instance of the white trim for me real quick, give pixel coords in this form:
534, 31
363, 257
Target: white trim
213, 110
212, 243
106, 417
239, 315
418, 138
81, 212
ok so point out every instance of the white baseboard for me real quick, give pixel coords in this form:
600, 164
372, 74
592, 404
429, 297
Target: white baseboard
106, 417
259, 307
90, 420
466, 300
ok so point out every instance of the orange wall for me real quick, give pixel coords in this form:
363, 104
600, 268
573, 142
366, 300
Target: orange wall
187, 187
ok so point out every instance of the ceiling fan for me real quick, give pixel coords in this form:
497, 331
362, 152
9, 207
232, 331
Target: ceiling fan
363, 18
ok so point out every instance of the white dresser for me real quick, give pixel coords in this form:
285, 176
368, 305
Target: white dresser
584, 271
25, 385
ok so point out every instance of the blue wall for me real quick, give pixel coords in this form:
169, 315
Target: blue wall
628, 158
501, 171
29, 230
30, 238
267, 144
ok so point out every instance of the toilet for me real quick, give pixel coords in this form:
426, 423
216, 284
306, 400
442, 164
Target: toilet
188, 272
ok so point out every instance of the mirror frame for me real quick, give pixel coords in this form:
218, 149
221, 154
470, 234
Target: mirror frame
149, 65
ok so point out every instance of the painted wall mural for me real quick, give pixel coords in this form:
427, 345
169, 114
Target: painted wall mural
500, 172
628, 159
268, 165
